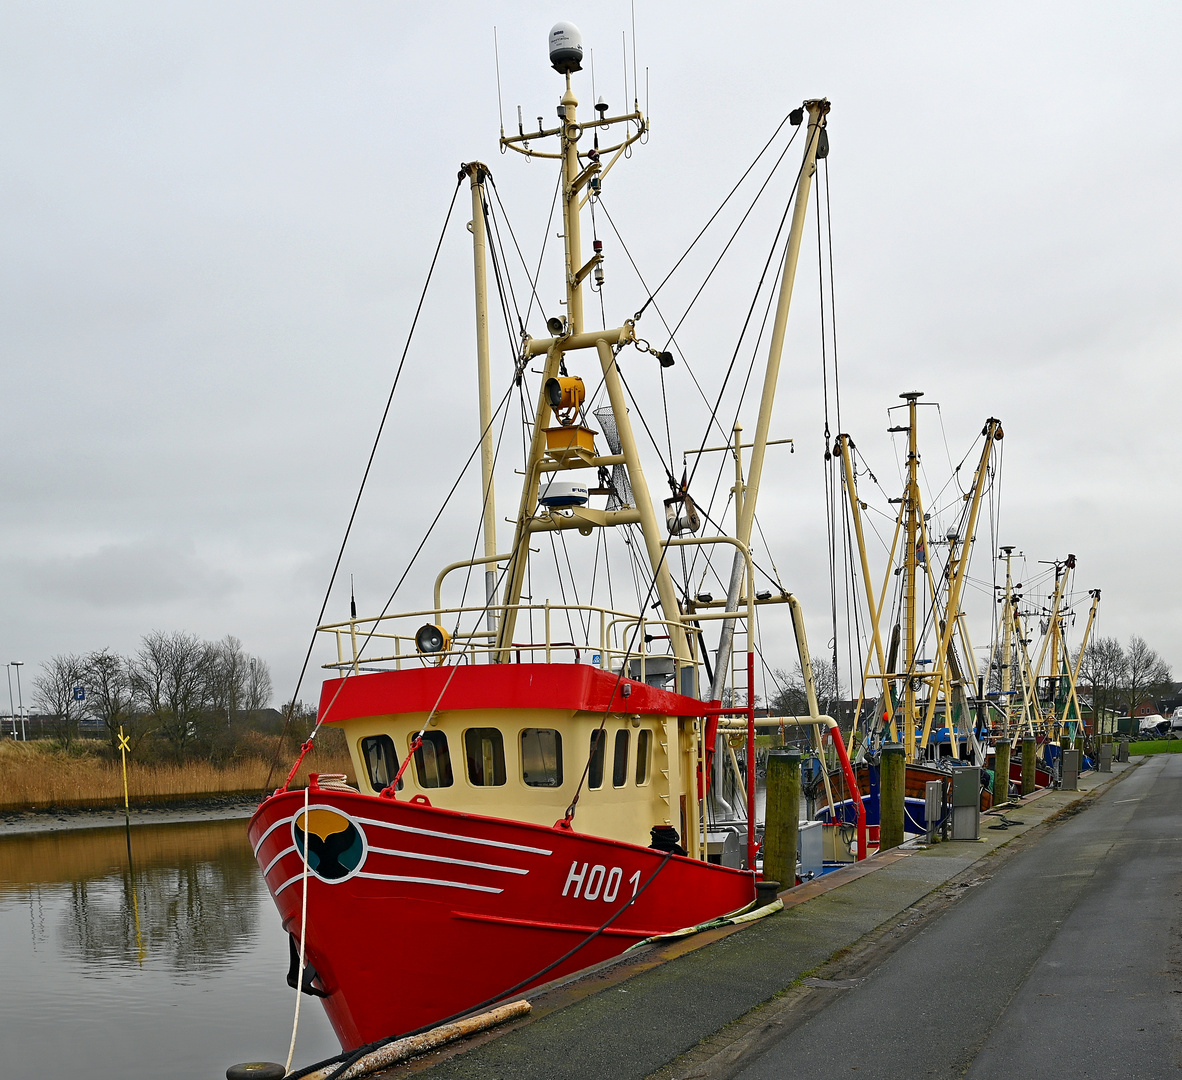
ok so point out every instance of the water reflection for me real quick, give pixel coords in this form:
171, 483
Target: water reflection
172, 966
187, 902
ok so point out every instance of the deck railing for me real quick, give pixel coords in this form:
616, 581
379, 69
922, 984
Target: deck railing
568, 633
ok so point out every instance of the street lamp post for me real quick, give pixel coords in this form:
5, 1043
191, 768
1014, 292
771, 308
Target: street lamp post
11, 707
20, 704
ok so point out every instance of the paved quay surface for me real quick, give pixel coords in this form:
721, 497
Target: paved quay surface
1067, 957
731, 1003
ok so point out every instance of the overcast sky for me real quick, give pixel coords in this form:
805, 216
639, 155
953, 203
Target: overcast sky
216, 219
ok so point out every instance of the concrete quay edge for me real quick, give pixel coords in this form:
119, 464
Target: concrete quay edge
633, 1016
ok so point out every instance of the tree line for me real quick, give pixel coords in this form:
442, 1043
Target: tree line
176, 689
1121, 678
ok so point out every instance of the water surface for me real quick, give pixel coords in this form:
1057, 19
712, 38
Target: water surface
172, 966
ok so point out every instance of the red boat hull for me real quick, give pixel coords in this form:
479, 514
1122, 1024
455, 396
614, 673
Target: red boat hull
416, 913
1042, 778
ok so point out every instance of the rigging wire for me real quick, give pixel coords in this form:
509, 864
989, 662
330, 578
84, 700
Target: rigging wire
664, 322
710, 221
364, 478
480, 521
726, 247
531, 278
742, 221
829, 466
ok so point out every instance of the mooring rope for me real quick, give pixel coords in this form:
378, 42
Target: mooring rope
299, 989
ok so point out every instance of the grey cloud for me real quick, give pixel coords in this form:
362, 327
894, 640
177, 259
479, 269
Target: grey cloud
133, 575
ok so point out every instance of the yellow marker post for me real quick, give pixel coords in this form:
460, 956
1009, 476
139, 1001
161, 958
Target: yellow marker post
124, 746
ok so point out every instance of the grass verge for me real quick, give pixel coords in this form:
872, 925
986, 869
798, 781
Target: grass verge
1156, 746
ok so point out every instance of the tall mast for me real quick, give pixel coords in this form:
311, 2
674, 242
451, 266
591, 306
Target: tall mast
572, 237
476, 173
817, 110
1051, 638
1005, 664
1073, 669
843, 445
913, 518
569, 335
1083, 645
992, 433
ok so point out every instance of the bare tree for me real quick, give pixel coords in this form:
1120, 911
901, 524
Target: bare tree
174, 675
1147, 675
54, 693
229, 677
1104, 669
110, 698
258, 685
792, 700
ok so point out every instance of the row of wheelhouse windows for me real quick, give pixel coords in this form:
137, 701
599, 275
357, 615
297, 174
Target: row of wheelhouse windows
484, 758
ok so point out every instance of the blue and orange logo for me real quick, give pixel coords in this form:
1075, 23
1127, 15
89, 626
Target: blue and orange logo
336, 844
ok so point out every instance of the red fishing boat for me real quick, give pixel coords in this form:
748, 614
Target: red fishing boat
418, 911
536, 789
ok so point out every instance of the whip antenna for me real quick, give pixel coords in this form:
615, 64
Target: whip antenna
497, 62
635, 82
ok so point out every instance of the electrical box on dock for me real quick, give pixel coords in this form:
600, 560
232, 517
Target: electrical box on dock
1070, 774
1106, 757
811, 848
966, 803
933, 805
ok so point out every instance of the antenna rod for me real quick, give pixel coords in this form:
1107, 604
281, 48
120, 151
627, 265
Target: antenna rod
497, 60
624, 50
635, 82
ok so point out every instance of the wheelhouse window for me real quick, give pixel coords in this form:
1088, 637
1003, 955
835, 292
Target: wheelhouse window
644, 749
598, 753
541, 757
484, 747
620, 759
381, 761
433, 761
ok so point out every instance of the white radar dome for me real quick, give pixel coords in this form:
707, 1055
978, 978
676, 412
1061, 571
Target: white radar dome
563, 493
566, 48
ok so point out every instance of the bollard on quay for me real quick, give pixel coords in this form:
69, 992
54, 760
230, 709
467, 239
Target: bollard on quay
892, 790
780, 834
1001, 773
1028, 748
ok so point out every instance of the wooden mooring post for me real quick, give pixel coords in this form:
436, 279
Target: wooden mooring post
1001, 772
1028, 749
891, 793
781, 831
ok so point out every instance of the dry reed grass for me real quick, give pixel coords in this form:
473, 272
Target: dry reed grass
33, 776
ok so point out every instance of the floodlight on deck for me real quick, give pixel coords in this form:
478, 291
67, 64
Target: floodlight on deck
432, 640
565, 394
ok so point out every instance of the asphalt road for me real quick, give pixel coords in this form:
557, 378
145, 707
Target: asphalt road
1066, 962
